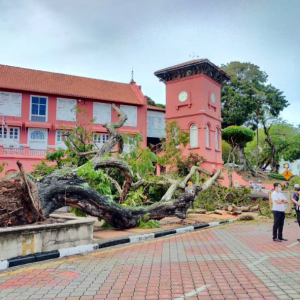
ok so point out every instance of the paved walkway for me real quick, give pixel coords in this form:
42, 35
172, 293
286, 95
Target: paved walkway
238, 261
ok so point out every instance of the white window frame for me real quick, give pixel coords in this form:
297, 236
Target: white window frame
21, 103
7, 138
61, 144
207, 136
101, 136
47, 107
30, 130
196, 143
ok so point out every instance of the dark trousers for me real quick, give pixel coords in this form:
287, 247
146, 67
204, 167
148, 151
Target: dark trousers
278, 224
298, 216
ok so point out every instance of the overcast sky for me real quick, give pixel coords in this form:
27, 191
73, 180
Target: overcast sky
105, 38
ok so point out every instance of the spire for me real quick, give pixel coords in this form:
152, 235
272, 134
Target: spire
132, 80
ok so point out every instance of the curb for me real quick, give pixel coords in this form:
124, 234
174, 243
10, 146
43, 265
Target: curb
22, 260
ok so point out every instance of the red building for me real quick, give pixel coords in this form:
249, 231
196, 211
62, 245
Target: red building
36, 104
193, 98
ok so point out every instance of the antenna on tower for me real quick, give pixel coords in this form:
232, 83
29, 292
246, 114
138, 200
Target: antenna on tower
193, 56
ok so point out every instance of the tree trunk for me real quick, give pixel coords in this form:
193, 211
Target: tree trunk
63, 188
240, 151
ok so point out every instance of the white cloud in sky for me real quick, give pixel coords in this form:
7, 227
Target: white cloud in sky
104, 39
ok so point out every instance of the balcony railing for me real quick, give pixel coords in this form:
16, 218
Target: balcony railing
10, 150
23, 151
38, 152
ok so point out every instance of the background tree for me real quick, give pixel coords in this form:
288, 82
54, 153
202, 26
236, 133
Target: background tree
237, 137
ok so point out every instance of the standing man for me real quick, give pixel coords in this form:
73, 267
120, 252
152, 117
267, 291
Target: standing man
278, 201
296, 200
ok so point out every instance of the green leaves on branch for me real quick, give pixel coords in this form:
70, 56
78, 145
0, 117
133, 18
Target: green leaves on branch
237, 135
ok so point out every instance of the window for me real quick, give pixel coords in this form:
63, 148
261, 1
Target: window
66, 109
10, 104
12, 134
38, 109
131, 112
207, 136
37, 135
194, 136
217, 138
101, 113
100, 138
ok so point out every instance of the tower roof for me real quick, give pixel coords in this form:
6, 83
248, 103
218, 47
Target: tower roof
191, 68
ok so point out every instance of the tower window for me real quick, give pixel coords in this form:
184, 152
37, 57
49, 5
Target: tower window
217, 139
207, 136
194, 136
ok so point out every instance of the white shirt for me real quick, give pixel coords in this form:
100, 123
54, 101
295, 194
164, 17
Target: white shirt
275, 197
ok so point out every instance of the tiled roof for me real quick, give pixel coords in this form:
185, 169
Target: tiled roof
66, 85
152, 107
191, 62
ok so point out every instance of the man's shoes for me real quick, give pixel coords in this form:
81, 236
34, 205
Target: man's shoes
285, 240
276, 240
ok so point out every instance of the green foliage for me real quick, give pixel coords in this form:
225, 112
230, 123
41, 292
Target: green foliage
42, 169
145, 223
105, 225
215, 195
280, 177
172, 147
294, 180
97, 179
183, 166
135, 198
246, 94
80, 138
225, 153
237, 135
2, 165
56, 156
140, 159
77, 212
264, 208
156, 192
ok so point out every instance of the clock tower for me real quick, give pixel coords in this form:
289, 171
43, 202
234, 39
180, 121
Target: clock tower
193, 99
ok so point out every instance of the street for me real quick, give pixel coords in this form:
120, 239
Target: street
236, 261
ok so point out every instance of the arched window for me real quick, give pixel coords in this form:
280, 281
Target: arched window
217, 138
37, 135
194, 136
207, 136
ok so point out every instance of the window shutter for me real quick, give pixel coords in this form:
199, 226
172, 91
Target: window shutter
101, 113
194, 136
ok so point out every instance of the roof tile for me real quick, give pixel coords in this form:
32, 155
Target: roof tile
66, 85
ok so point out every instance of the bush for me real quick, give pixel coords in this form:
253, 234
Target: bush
280, 177
183, 166
145, 223
237, 135
246, 217
219, 195
294, 180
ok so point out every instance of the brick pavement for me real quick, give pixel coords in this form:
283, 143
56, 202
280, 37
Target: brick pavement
238, 261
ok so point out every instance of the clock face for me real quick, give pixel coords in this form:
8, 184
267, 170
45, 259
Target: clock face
213, 98
183, 96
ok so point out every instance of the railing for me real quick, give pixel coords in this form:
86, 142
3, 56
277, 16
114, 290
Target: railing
38, 152
19, 151
23, 150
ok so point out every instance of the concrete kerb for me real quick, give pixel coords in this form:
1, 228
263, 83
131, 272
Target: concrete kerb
37, 257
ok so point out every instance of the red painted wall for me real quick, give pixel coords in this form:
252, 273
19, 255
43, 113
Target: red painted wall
52, 124
197, 109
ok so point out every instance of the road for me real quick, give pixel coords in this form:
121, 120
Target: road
237, 261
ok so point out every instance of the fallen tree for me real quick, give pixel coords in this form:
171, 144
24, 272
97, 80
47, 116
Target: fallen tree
25, 201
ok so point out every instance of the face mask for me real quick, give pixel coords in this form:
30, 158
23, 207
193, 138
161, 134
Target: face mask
279, 189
